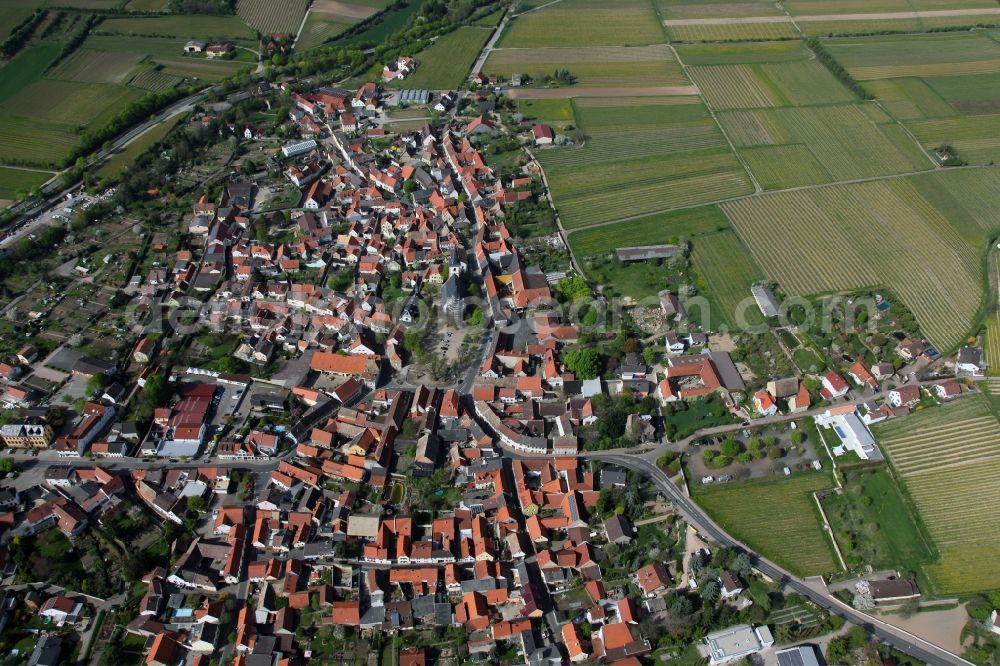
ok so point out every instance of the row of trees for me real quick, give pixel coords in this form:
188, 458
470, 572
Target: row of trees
21, 33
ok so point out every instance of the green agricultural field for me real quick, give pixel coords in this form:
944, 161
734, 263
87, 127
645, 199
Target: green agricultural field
769, 84
991, 346
714, 9
25, 68
329, 18
117, 163
146, 5
181, 27
725, 275
781, 167
446, 64
599, 66
547, 110
585, 23
742, 54
948, 458
772, 514
86, 104
266, 16
910, 98
641, 159
839, 27
34, 141
13, 181
842, 139
686, 224
86, 66
975, 138
733, 31
883, 532
154, 80
921, 236
970, 94
318, 30
917, 55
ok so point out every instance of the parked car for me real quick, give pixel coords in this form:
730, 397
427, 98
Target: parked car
708, 479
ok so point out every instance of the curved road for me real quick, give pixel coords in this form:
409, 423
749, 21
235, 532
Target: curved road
180, 106
898, 638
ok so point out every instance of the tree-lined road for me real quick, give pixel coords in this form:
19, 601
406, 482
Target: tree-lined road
816, 592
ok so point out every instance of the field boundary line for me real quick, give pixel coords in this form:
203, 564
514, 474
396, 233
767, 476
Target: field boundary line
704, 100
798, 28
535, 9
829, 530
302, 25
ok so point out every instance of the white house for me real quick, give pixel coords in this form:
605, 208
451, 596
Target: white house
728, 645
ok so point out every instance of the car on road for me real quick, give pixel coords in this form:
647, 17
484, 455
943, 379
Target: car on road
708, 479
725, 478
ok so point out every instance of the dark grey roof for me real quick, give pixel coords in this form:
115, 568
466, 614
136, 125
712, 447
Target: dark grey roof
802, 655
612, 477
728, 374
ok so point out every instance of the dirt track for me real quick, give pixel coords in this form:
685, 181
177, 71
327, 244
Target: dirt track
940, 13
566, 93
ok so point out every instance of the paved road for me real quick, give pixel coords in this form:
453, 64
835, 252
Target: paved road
815, 591
123, 140
485, 53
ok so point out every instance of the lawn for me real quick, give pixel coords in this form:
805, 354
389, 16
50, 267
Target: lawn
117, 163
585, 23
807, 360
776, 517
13, 181
446, 64
873, 524
684, 418
948, 458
